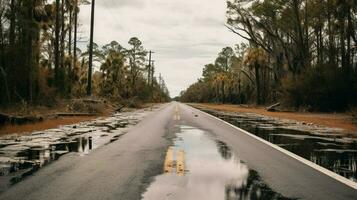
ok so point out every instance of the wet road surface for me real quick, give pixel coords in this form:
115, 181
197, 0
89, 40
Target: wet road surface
180, 153
327, 147
199, 166
23, 155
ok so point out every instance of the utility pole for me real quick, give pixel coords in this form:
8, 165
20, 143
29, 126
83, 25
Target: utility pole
89, 84
152, 72
152, 79
149, 68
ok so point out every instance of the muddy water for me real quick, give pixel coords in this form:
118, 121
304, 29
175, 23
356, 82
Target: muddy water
22, 155
329, 148
198, 166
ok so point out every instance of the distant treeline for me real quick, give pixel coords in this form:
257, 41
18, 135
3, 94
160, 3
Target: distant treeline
299, 52
40, 59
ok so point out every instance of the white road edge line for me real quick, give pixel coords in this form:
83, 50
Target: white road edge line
301, 159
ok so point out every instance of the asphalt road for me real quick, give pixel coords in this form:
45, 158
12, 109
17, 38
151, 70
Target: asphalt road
123, 169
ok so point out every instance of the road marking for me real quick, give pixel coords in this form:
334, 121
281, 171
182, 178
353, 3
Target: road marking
169, 162
177, 116
301, 159
180, 163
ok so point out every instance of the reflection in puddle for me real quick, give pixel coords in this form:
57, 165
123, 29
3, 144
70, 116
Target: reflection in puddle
333, 151
32, 159
199, 167
21, 156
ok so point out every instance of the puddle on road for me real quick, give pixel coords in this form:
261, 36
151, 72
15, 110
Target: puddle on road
198, 166
23, 155
32, 159
323, 146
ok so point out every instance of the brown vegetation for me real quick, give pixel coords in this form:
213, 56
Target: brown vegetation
299, 53
41, 63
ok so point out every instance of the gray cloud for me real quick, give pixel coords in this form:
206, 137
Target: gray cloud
121, 3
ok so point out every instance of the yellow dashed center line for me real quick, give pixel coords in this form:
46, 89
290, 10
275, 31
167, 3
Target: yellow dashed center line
177, 116
180, 163
169, 162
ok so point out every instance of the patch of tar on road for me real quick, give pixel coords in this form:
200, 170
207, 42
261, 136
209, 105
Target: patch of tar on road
198, 166
324, 146
23, 155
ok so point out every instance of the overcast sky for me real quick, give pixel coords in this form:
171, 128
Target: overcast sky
185, 34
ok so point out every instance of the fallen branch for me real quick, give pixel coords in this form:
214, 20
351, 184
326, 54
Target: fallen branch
272, 108
120, 108
75, 114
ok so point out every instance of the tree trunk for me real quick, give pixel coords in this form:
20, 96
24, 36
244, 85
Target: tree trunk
2, 46
240, 90
306, 52
62, 82
69, 71
29, 47
343, 44
349, 34
63, 34
56, 50
331, 42
75, 34
12, 24
301, 41
222, 92
257, 82
11, 50
70, 33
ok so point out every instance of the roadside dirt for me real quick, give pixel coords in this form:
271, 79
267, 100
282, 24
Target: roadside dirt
39, 126
332, 120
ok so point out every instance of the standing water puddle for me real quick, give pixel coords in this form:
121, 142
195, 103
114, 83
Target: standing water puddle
21, 156
198, 166
326, 147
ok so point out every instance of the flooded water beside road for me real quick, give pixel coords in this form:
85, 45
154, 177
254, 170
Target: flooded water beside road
198, 166
329, 148
23, 155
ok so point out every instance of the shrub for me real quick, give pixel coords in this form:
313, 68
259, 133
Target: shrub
320, 88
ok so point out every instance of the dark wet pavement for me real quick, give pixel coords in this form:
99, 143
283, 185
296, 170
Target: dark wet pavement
198, 166
21, 156
329, 148
204, 162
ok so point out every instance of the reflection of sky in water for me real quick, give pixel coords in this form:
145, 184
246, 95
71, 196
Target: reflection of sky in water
322, 146
23, 155
34, 158
213, 173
